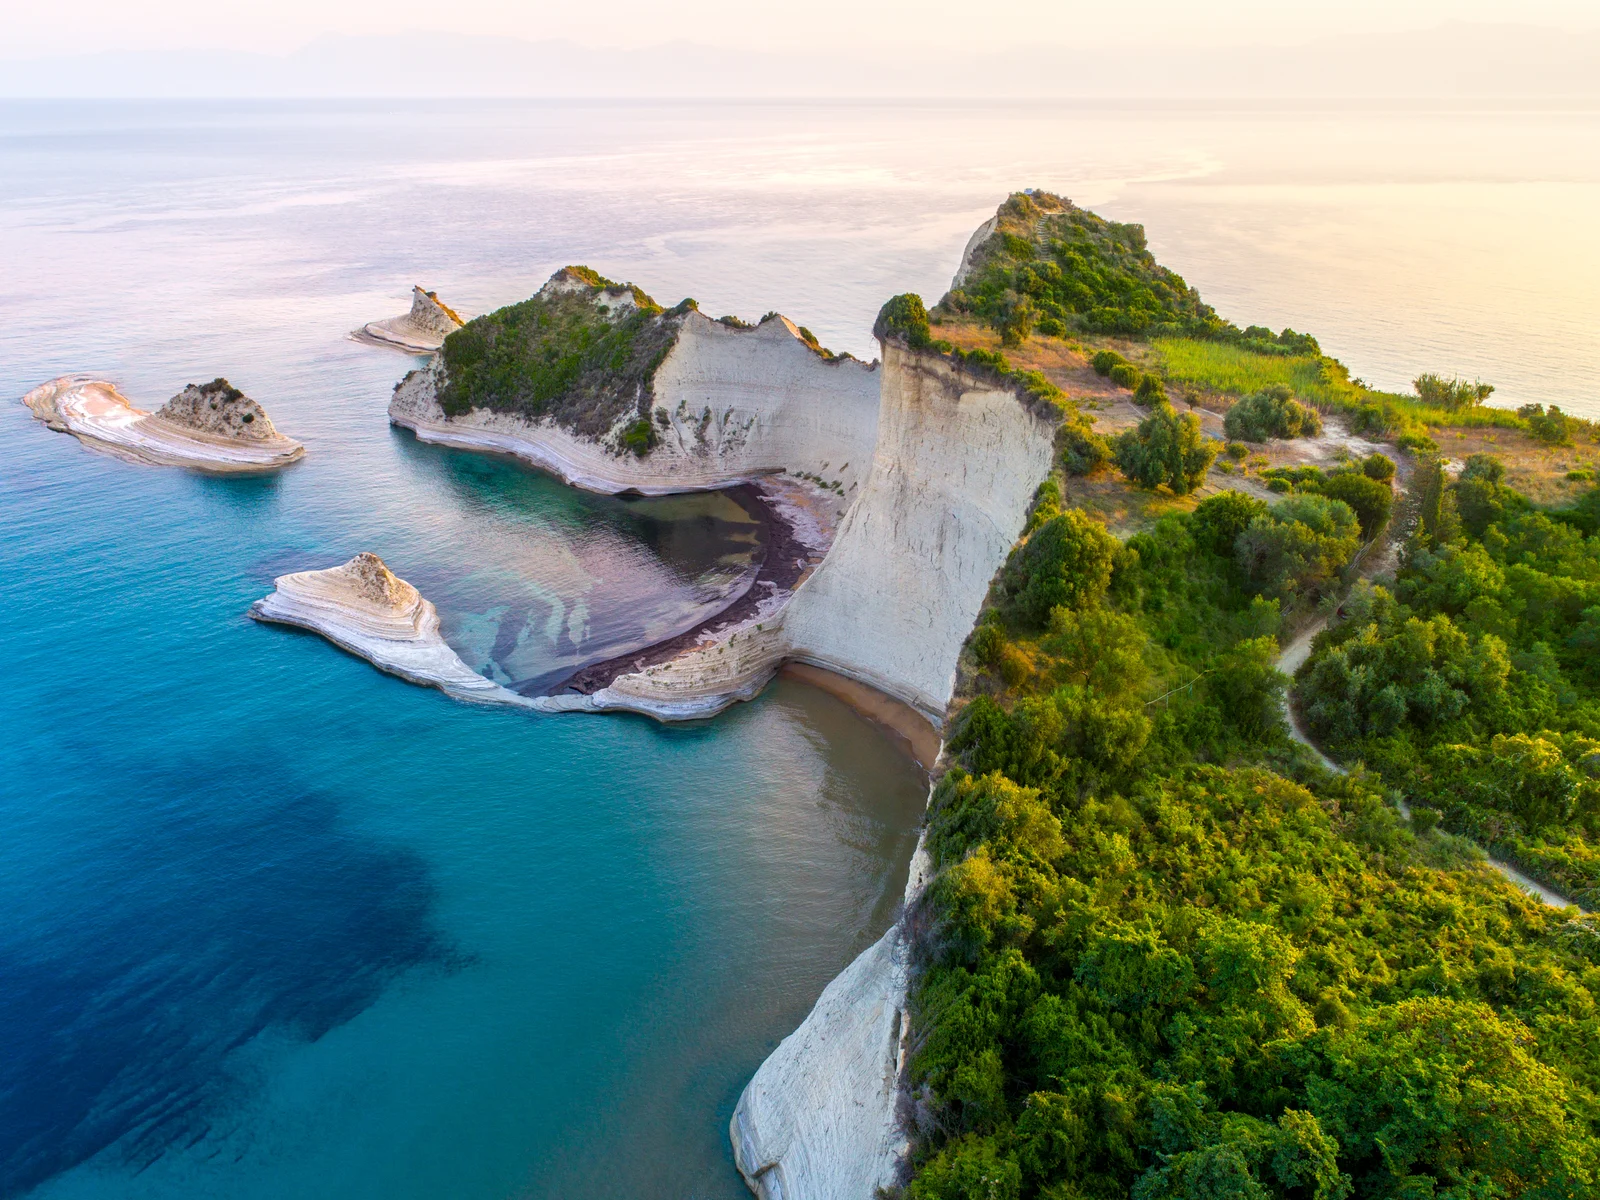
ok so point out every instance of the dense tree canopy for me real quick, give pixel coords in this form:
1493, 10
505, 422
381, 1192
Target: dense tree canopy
1165, 956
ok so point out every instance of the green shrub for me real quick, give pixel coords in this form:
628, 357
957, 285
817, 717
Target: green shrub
1237, 451
1150, 390
1046, 505
1273, 412
1016, 321
1083, 451
1370, 500
1378, 466
1551, 425
1104, 360
988, 640
1451, 394
1166, 449
1067, 561
1418, 443
640, 437
1125, 375
1218, 520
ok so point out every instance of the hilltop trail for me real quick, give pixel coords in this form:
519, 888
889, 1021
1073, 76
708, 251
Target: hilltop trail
1290, 661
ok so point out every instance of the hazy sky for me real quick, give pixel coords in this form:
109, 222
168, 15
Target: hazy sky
28, 27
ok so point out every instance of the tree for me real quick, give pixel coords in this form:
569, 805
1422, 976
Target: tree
904, 316
1166, 449
1017, 322
1271, 413
1067, 561
1219, 520
1370, 500
1298, 544
1248, 687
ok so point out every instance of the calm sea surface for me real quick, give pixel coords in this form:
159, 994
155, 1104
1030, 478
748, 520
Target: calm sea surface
278, 925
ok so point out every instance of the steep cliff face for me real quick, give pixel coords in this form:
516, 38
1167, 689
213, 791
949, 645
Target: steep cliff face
730, 405
957, 463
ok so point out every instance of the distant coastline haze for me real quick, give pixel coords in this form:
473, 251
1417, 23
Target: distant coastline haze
1148, 57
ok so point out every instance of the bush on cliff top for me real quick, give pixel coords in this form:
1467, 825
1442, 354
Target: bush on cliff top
1051, 261
1273, 412
1166, 449
557, 355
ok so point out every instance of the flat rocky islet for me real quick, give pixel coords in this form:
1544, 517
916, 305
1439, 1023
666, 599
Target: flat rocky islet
211, 427
363, 607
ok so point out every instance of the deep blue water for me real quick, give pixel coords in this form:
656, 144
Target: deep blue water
278, 925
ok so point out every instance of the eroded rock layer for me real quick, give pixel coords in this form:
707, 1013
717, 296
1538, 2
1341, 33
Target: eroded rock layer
420, 331
363, 607
212, 427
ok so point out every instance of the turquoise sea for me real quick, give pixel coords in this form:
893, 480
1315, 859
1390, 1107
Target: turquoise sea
278, 925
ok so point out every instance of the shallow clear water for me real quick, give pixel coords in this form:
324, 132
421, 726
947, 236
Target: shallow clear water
280, 925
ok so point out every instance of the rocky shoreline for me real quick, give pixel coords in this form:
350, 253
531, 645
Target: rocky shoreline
785, 559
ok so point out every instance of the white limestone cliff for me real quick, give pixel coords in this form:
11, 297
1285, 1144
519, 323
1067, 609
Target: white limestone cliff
419, 331
820, 1119
211, 427
731, 405
956, 465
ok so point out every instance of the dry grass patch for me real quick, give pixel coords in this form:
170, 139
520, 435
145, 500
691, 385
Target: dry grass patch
1534, 468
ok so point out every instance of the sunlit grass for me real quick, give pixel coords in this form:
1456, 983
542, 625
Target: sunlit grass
1234, 370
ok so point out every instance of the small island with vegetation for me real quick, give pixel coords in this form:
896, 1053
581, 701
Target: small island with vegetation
211, 427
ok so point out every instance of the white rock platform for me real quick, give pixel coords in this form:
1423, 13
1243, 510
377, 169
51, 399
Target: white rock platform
231, 438
420, 331
363, 607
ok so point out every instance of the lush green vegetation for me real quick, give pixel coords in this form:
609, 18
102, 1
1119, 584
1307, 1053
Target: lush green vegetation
1164, 956
1474, 685
1054, 267
1166, 450
560, 355
1364, 486
1273, 412
1318, 380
